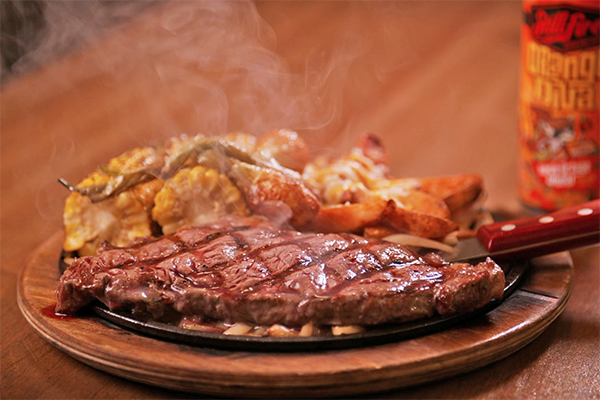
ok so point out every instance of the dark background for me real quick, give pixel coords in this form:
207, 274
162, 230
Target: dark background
32, 31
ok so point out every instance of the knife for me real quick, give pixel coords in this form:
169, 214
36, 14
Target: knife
565, 229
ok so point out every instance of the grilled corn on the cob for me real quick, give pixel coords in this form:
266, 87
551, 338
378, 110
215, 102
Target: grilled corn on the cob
194, 196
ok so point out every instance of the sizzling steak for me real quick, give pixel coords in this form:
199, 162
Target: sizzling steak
246, 269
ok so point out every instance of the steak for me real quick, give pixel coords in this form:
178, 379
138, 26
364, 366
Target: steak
247, 269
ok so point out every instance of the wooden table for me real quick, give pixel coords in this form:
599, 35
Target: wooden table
437, 80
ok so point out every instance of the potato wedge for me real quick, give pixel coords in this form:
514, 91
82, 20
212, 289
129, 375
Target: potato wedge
419, 223
352, 217
378, 231
378, 213
286, 147
371, 146
265, 188
457, 191
410, 197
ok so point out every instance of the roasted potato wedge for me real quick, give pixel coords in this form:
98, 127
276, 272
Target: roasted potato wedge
285, 147
457, 191
266, 189
378, 231
420, 223
352, 217
378, 214
411, 198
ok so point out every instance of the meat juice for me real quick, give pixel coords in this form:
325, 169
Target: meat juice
559, 104
50, 312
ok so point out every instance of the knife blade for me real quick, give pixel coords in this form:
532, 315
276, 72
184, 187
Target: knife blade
565, 229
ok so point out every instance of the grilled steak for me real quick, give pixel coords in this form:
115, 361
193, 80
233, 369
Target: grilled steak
246, 269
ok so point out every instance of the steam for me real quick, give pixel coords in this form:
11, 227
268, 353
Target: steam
226, 50
36, 32
213, 62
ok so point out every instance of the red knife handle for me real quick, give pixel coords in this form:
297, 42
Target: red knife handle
561, 230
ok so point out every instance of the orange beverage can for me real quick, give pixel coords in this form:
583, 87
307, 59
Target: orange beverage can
559, 164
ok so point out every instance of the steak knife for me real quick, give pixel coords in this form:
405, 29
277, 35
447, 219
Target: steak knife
566, 229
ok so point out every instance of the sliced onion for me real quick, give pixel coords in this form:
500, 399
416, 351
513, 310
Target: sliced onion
412, 240
346, 330
281, 331
239, 328
307, 329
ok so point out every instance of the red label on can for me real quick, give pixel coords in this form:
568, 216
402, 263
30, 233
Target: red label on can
558, 105
563, 27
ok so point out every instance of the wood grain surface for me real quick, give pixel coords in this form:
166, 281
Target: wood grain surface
436, 79
364, 370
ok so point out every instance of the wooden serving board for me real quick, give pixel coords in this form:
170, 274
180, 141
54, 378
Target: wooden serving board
463, 348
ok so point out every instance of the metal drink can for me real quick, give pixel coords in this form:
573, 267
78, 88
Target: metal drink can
559, 102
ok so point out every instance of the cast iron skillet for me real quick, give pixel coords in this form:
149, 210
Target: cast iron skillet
514, 272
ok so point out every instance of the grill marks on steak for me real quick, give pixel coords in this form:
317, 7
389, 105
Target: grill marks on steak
246, 269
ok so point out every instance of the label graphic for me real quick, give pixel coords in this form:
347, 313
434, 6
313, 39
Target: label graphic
558, 106
564, 27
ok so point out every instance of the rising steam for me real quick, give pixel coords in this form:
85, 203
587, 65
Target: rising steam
215, 60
